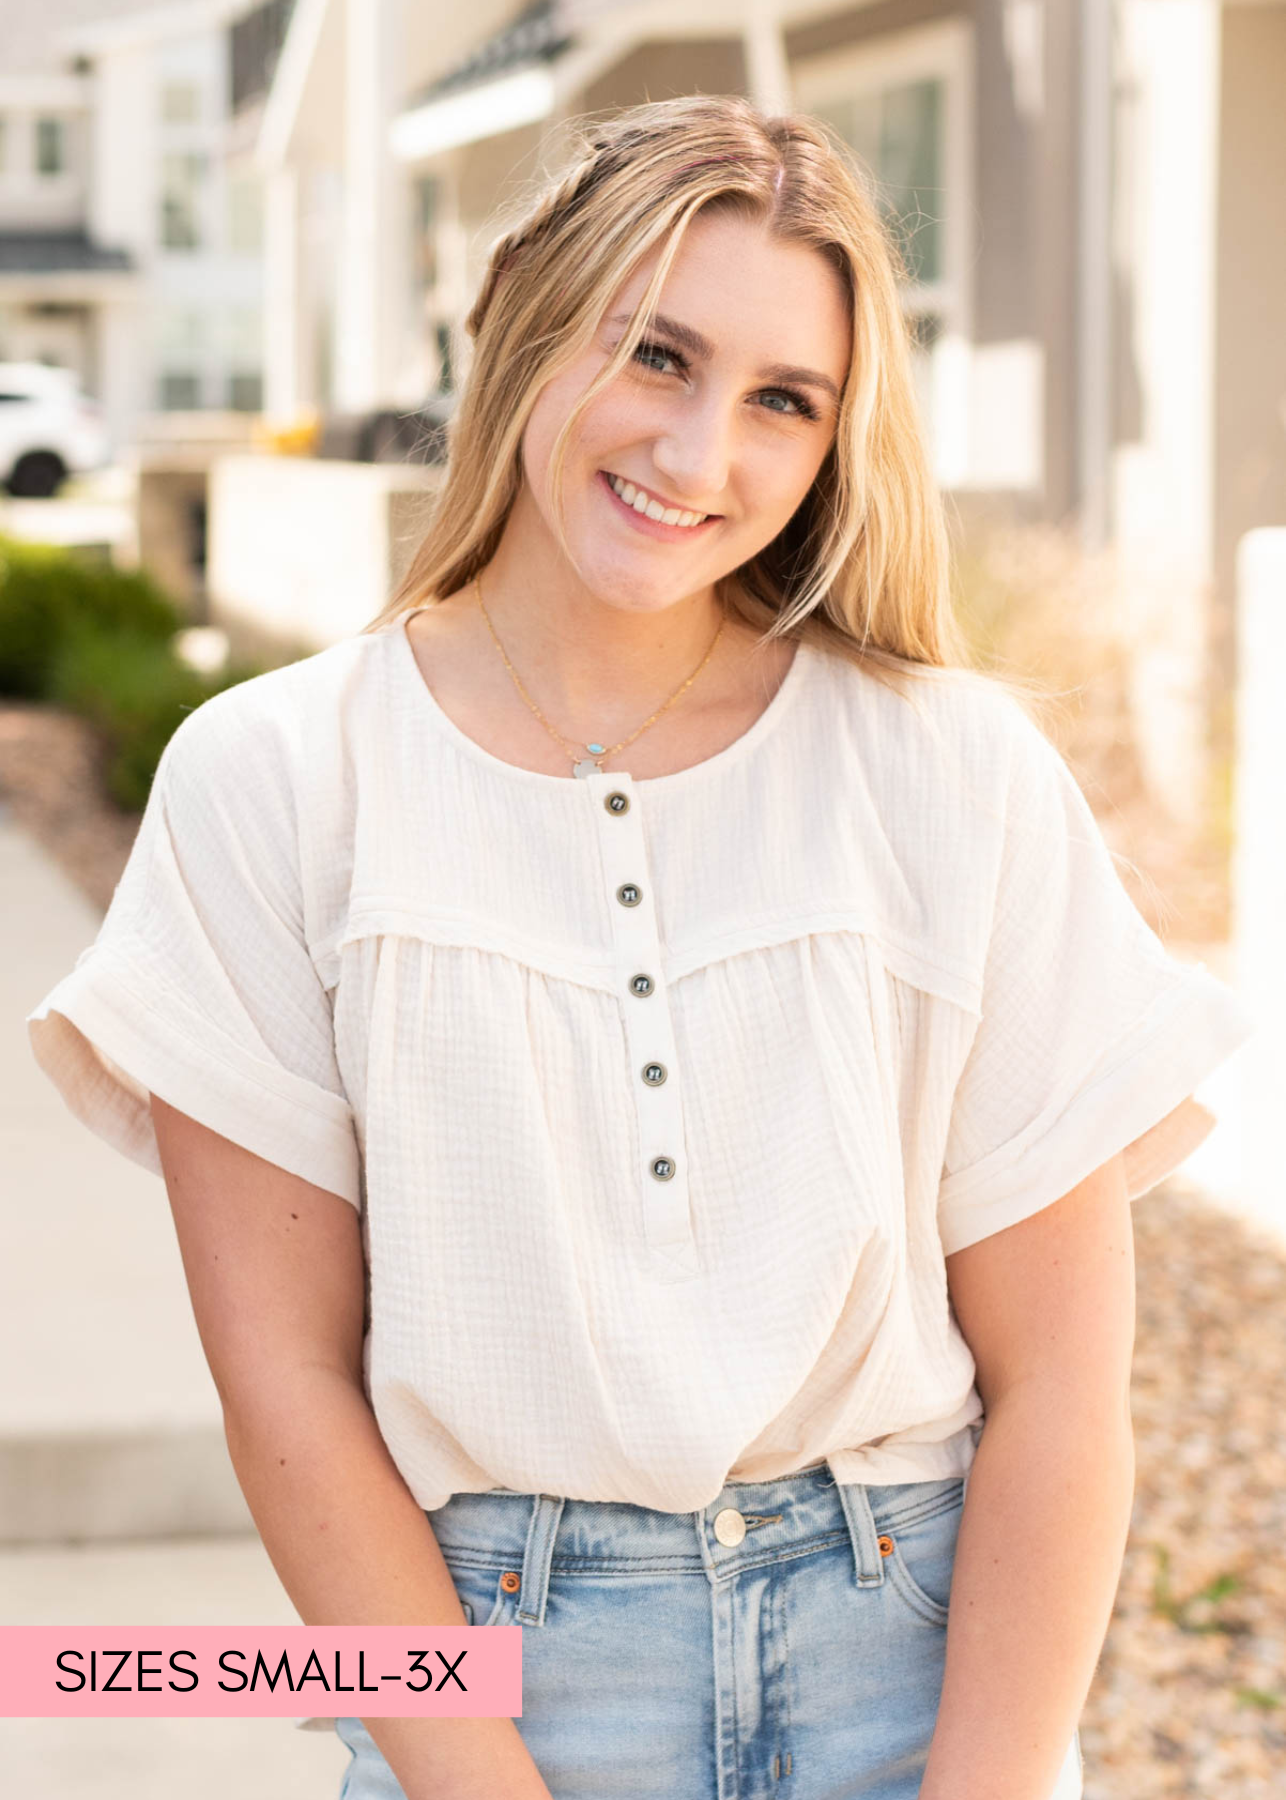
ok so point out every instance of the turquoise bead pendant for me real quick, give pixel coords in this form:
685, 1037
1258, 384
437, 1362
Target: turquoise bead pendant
590, 766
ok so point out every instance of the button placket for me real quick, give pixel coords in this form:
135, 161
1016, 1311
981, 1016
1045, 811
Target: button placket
627, 885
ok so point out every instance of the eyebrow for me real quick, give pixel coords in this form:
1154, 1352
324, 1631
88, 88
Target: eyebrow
688, 338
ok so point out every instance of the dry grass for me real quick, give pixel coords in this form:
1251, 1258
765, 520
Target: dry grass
1039, 610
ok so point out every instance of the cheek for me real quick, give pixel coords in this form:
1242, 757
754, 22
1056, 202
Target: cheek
548, 415
777, 484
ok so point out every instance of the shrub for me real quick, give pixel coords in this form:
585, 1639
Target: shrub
1072, 626
136, 692
100, 641
47, 593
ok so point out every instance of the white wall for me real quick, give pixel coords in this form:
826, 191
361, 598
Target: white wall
306, 550
28, 199
1163, 478
198, 314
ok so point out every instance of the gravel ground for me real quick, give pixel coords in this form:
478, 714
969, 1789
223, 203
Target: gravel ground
1189, 1701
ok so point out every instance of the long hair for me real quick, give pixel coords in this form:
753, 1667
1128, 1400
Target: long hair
863, 566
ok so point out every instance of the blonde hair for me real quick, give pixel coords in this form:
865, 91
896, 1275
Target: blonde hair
863, 568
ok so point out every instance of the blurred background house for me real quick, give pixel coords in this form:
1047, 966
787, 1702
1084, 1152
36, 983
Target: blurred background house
251, 233
130, 217
1089, 192
215, 211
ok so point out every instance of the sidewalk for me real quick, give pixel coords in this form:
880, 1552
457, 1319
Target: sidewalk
214, 1581
110, 1426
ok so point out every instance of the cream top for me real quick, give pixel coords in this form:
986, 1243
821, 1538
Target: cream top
662, 1101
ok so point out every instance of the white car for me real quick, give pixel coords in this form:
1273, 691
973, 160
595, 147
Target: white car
48, 428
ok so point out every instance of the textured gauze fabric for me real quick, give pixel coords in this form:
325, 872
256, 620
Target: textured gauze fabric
662, 1101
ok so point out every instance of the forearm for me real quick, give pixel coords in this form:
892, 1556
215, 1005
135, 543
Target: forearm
1038, 1562
352, 1547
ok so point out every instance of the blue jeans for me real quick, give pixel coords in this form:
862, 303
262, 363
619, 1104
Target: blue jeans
785, 1643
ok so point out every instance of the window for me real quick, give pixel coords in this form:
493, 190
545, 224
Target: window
245, 391
446, 369
897, 131
179, 390
241, 340
902, 103
245, 215
180, 102
182, 187
424, 245
51, 147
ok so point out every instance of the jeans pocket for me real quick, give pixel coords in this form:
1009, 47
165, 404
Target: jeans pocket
481, 1592
920, 1563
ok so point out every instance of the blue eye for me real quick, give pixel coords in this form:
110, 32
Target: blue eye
804, 408
643, 350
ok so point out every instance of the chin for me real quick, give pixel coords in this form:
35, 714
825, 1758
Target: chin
631, 590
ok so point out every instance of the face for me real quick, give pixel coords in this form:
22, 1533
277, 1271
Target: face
723, 416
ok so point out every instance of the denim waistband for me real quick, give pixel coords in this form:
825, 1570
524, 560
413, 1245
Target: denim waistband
748, 1524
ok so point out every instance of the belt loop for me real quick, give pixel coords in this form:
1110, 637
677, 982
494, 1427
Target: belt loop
547, 1510
867, 1560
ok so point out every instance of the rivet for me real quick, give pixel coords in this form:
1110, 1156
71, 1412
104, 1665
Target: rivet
886, 1546
511, 1581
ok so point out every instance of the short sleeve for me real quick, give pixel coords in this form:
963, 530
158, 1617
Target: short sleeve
199, 986
1091, 1037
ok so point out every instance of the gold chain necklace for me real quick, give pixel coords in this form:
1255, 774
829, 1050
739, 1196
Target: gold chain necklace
591, 764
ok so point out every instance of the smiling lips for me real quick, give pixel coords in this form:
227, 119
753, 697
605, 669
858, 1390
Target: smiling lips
650, 506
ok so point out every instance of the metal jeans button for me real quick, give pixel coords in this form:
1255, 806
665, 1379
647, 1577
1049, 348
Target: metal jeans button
729, 1526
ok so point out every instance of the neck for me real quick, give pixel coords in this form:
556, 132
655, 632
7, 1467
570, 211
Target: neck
589, 660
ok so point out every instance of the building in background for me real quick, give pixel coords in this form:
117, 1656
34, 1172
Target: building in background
131, 216
68, 290
1089, 190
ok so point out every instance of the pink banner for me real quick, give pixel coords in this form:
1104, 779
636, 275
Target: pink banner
287, 1671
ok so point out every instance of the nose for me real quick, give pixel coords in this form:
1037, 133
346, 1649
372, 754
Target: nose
694, 455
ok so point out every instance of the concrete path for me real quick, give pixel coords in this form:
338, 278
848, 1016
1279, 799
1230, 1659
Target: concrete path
110, 1425
226, 1581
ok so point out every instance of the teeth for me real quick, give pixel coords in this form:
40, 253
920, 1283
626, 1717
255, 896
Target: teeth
643, 503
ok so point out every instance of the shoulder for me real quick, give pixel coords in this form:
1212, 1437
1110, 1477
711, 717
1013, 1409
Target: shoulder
257, 737
930, 732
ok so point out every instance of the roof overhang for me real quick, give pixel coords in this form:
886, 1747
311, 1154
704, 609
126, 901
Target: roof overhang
521, 97
604, 32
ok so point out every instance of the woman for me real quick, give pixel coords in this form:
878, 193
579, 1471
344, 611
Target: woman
648, 1055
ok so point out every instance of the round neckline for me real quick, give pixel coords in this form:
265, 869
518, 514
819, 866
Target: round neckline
787, 687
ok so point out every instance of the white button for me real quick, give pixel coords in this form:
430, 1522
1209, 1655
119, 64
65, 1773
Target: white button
729, 1526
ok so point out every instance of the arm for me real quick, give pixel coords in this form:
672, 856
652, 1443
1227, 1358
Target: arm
275, 1270
1047, 1308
